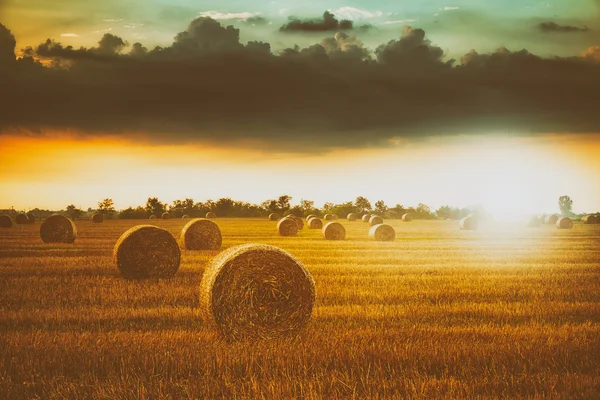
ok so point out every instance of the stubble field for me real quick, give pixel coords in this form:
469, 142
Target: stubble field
440, 313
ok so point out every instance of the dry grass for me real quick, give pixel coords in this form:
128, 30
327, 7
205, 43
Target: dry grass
439, 313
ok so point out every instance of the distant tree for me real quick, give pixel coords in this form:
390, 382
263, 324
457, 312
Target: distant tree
106, 206
284, 202
423, 211
224, 207
362, 204
327, 207
565, 203
155, 206
380, 207
134, 213
343, 209
444, 212
307, 206
270, 206
182, 207
73, 211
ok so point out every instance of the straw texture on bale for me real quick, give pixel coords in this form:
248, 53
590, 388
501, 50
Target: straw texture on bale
564, 223
273, 217
21, 219
552, 219
5, 221
165, 215
352, 217
211, 214
533, 221
334, 231
335, 217
590, 219
185, 216
375, 220
58, 229
152, 216
315, 223
328, 217
147, 251
382, 233
309, 216
201, 234
97, 218
31, 218
366, 217
287, 227
256, 291
468, 223
298, 221
407, 218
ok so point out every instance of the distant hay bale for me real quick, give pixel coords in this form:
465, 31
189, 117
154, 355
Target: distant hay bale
375, 220
542, 218
147, 251
274, 217
211, 215
366, 217
256, 291
551, 219
201, 234
31, 218
335, 216
468, 223
21, 219
590, 219
5, 221
334, 231
309, 216
58, 229
315, 223
299, 222
407, 217
352, 217
382, 233
533, 221
328, 217
152, 216
97, 218
165, 215
185, 216
564, 223
287, 227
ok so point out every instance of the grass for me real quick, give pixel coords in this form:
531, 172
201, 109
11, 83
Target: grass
439, 313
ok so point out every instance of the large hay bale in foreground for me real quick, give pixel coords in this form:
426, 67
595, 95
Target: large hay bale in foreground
352, 217
328, 217
5, 221
366, 217
334, 231
31, 218
468, 223
375, 220
287, 227
97, 218
552, 219
152, 216
256, 291
274, 217
407, 217
211, 215
533, 221
21, 219
382, 233
315, 223
147, 251
590, 219
165, 215
564, 223
201, 234
58, 229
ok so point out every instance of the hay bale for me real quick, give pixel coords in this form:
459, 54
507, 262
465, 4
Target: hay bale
335, 217
366, 217
328, 217
97, 218
309, 216
352, 217
299, 222
211, 215
542, 218
256, 291
382, 233
590, 219
152, 216
21, 219
468, 223
287, 227
274, 217
564, 223
5, 221
31, 218
334, 231
147, 251
552, 219
201, 234
375, 220
58, 229
165, 215
315, 223
185, 216
533, 221
407, 217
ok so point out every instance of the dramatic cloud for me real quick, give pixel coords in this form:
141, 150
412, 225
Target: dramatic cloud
327, 23
207, 86
549, 27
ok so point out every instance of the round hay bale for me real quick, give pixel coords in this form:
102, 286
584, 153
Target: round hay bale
335, 217
590, 219
21, 219
97, 218
152, 216
533, 221
315, 223
211, 215
352, 217
287, 227
407, 218
552, 219
274, 217
185, 216
58, 229
334, 231
31, 218
382, 233
564, 223
328, 217
366, 217
299, 222
5, 221
165, 215
468, 223
309, 216
375, 220
147, 251
256, 291
201, 234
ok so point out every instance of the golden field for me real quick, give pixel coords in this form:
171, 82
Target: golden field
503, 312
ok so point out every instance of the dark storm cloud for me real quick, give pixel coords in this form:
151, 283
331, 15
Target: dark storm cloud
549, 27
327, 23
207, 86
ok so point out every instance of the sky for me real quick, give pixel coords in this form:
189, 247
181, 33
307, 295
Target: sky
459, 103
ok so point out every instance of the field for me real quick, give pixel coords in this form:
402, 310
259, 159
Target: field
440, 313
